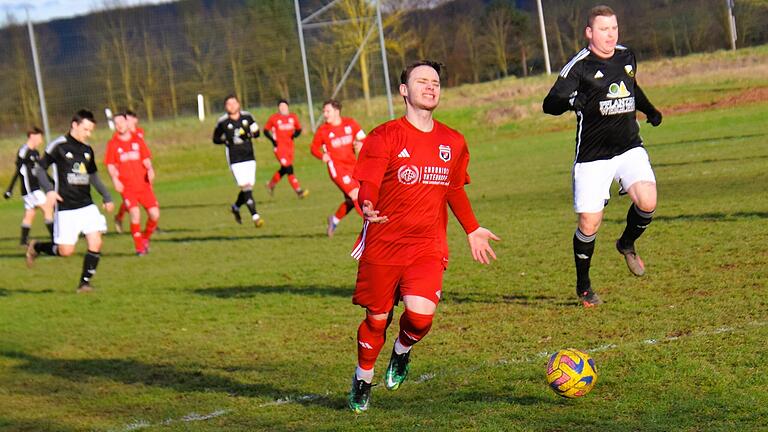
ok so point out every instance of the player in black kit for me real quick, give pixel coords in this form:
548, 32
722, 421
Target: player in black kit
599, 85
235, 129
74, 169
26, 169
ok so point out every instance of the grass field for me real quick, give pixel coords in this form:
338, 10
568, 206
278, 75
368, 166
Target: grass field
227, 328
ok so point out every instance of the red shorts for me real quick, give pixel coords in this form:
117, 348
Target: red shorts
342, 176
144, 196
380, 287
284, 154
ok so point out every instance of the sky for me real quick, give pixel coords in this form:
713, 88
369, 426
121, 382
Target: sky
46, 10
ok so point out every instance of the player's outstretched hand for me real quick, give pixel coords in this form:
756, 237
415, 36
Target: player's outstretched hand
8, 194
654, 118
109, 207
480, 245
372, 215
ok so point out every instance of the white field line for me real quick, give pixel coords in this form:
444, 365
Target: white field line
193, 417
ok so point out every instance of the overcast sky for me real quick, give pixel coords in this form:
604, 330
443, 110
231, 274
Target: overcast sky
46, 10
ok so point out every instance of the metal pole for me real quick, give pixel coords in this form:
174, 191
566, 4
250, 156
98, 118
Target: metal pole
544, 45
39, 78
304, 62
387, 84
731, 23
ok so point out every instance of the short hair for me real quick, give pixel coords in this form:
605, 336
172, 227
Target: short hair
83, 114
120, 114
334, 103
437, 66
130, 113
231, 96
282, 101
599, 10
34, 130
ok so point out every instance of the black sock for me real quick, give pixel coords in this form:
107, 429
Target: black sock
49, 225
583, 248
350, 204
24, 234
637, 222
241, 199
90, 262
48, 248
249, 201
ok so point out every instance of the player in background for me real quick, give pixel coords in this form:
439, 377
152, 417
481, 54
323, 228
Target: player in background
281, 129
26, 169
410, 170
599, 85
129, 163
235, 130
335, 143
133, 125
74, 169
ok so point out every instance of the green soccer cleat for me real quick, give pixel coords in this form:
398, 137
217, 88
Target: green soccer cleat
359, 395
397, 371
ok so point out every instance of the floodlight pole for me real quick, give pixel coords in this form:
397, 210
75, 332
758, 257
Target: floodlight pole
544, 45
39, 78
731, 23
304, 62
384, 60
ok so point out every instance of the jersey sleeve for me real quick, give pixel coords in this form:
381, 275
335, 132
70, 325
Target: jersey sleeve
109, 154
373, 159
357, 130
219, 137
460, 176
296, 124
269, 124
564, 91
90, 165
317, 143
144, 150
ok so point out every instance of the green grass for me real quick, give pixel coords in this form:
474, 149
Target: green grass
256, 327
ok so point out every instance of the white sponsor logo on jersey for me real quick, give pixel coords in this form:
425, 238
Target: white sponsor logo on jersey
599, 74
404, 154
408, 174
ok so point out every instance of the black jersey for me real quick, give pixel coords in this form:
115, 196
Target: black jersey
605, 95
72, 163
236, 136
26, 164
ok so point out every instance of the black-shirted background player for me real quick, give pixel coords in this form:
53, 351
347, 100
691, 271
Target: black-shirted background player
599, 85
34, 197
235, 129
74, 171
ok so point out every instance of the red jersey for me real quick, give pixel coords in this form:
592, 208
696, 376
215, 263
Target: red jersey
139, 132
414, 171
128, 157
282, 127
337, 141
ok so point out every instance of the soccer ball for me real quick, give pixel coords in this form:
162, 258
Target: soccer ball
571, 373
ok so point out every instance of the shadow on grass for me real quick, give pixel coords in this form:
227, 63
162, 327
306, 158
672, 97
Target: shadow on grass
478, 396
6, 292
194, 205
517, 299
255, 290
707, 139
704, 217
32, 425
707, 161
17, 255
254, 236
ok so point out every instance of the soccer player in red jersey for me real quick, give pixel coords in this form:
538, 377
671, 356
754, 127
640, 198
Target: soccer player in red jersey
410, 170
129, 163
133, 125
281, 128
335, 143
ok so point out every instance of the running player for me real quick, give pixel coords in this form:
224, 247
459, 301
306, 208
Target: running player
235, 129
281, 129
335, 143
74, 169
129, 163
26, 169
599, 85
133, 125
410, 169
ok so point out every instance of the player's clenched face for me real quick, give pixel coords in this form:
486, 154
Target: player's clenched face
331, 114
121, 124
232, 106
82, 131
603, 35
283, 109
423, 88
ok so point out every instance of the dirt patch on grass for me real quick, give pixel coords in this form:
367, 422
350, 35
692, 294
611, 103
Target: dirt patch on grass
745, 97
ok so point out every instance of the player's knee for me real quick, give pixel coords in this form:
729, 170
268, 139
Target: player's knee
65, 250
414, 326
154, 213
353, 193
376, 323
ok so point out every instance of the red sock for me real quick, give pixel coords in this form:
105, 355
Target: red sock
138, 239
371, 336
275, 178
294, 182
341, 211
413, 327
149, 228
121, 211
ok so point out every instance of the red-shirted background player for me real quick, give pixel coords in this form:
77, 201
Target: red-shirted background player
133, 125
410, 169
129, 163
335, 143
281, 128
